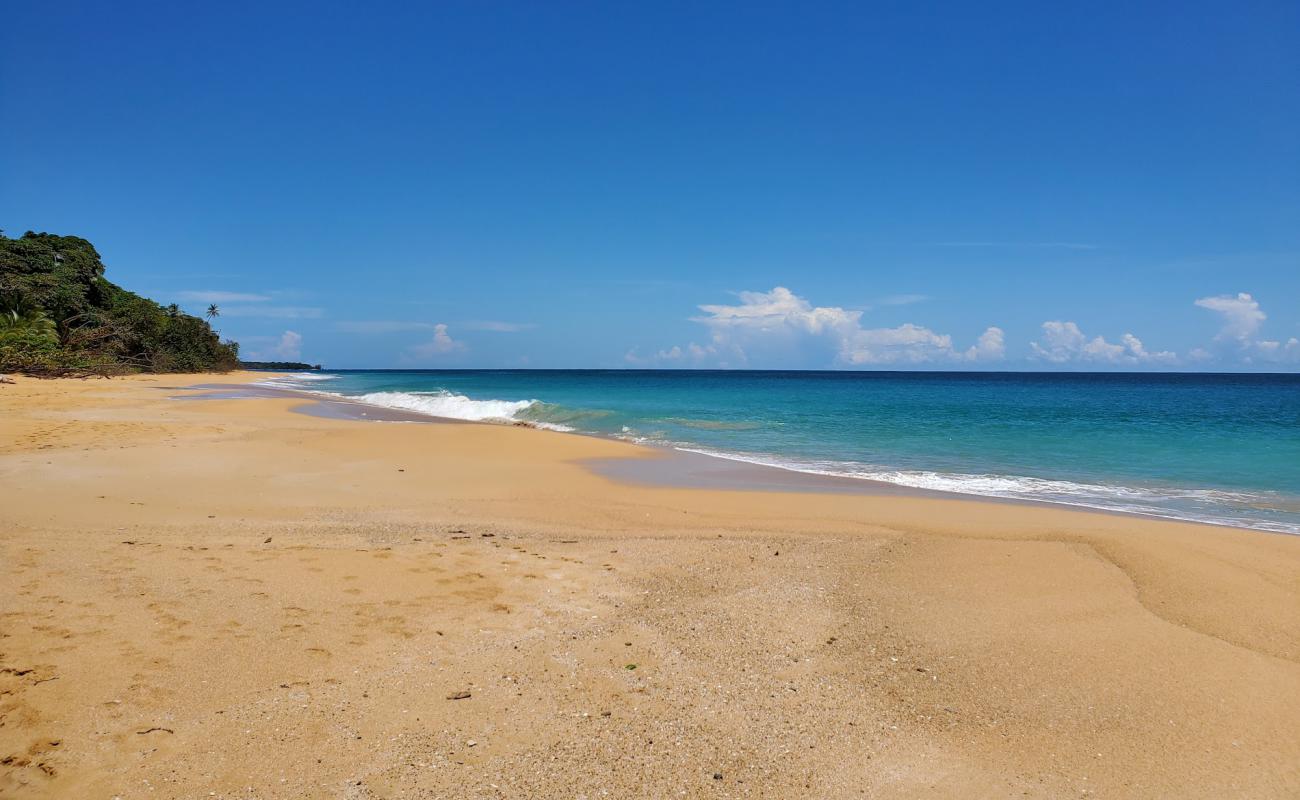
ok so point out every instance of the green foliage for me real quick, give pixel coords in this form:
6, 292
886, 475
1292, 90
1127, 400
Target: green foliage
19, 318
60, 315
33, 352
25, 350
281, 366
59, 274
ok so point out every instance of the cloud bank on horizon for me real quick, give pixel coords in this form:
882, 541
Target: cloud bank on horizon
778, 327
781, 326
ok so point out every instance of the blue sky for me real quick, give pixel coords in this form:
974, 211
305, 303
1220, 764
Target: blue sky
946, 186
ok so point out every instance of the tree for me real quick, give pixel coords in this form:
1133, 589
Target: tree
70, 320
20, 318
213, 312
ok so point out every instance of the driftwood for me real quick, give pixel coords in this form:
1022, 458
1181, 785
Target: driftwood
99, 371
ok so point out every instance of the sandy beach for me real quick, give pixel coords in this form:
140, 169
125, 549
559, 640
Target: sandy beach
223, 598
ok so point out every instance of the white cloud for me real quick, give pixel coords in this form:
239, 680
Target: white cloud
778, 309
287, 348
213, 296
1242, 315
991, 346
692, 355
1273, 352
906, 344
1064, 342
440, 345
273, 312
781, 328
1242, 320
914, 344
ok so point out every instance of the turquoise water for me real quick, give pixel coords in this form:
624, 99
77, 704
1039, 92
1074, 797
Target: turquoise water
1214, 448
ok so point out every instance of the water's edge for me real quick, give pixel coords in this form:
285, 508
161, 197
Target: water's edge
670, 466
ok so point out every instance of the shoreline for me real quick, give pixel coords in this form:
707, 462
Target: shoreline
666, 467
207, 597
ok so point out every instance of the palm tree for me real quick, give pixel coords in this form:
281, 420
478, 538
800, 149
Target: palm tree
173, 311
213, 312
19, 317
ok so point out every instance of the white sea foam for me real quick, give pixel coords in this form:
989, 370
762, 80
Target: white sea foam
312, 376
295, 381
447, 405
552, 426
442, 404
1213, 506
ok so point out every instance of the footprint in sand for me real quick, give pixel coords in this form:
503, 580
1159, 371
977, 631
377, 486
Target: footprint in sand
36, 758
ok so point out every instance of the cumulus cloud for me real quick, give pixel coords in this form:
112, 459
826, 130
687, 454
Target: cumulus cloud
1064, 342
440, 345
991, 346
1241, 314
1242, 319
288, 347
692, 355
777, 310
780, 327
906, 344
1287, 352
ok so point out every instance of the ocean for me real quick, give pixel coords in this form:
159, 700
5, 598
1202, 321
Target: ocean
1222, 449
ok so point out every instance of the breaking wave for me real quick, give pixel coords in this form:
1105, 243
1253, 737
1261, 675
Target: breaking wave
1258, 510
447, 405
296, 380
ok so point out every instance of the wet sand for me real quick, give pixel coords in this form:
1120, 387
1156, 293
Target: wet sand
226, 599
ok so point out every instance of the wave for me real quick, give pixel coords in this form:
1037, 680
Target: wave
1260, 511
296, 380
312, 376
447, 405
562, 418
1213, 506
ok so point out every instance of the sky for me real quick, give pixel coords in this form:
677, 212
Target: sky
760, 185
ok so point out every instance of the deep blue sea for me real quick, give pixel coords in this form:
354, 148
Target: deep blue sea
1213, 448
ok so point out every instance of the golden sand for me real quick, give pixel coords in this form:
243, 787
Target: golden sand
225, 599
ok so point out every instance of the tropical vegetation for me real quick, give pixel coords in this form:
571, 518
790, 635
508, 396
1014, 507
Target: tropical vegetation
279, 366
59, 315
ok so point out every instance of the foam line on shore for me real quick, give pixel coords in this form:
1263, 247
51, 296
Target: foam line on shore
1200, 505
